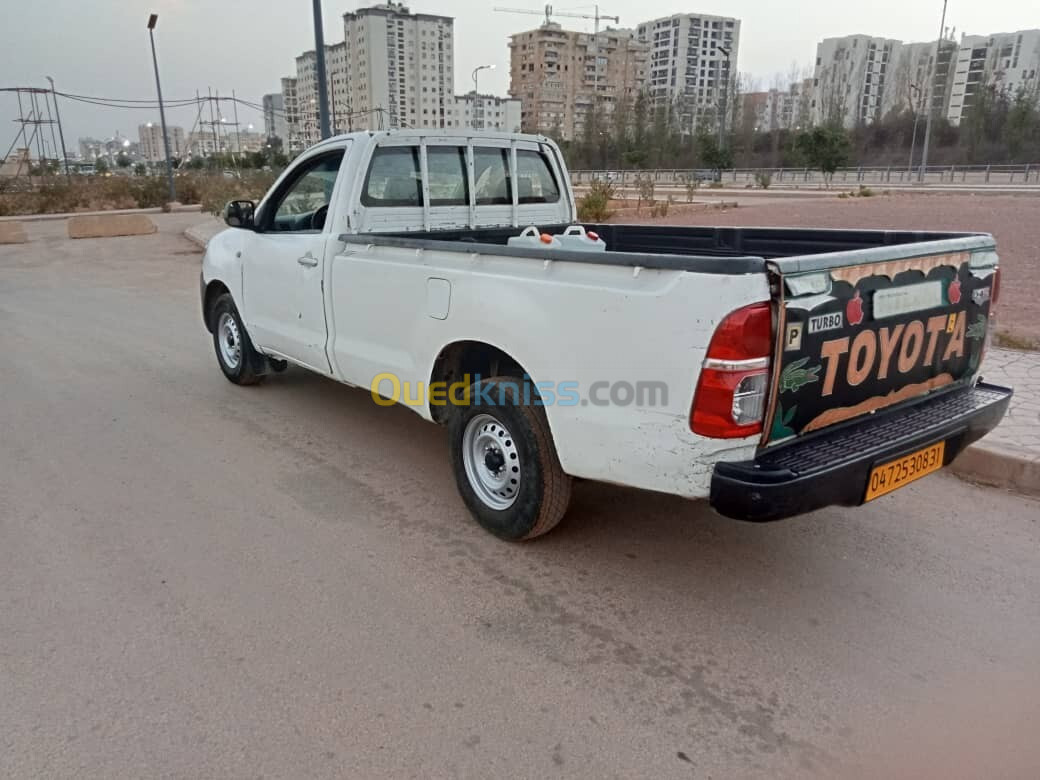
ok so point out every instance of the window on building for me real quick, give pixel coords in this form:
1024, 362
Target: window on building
393, 178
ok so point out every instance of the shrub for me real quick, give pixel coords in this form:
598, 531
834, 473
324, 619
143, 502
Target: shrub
660, 209
864, 192
645, 188
763, 179
692, 184
594, 206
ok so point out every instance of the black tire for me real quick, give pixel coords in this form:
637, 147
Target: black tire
248, 369
543, 490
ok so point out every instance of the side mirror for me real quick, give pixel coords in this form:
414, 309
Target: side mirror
239, 214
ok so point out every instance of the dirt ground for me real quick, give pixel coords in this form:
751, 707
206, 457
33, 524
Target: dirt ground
1013, 219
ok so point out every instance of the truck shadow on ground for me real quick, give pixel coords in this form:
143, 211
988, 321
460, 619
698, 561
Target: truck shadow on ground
656, 536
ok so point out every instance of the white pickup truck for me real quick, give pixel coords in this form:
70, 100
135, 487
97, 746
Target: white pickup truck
772, 371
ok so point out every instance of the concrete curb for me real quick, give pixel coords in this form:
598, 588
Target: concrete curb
12, 233
200, 234
1017, 470
110, 225
179, 208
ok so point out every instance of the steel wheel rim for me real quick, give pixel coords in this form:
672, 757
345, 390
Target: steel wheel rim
230, 341
492, 461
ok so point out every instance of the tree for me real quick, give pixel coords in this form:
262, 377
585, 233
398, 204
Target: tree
826, 148
123, 161
709, 152
100, 166
140, 169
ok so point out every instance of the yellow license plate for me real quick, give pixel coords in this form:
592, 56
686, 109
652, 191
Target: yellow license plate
894, 474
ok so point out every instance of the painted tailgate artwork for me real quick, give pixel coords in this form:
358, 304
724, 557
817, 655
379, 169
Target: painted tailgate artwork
861, 338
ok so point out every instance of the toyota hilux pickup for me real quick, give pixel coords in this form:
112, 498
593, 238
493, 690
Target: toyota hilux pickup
770, 371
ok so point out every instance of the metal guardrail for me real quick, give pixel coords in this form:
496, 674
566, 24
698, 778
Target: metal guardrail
970, 175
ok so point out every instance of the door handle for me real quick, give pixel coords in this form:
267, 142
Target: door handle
307, 260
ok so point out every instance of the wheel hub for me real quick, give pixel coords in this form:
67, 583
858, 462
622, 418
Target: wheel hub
230, 340
492, 461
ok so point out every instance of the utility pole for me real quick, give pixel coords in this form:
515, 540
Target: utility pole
930, 98
61, 135
162, 113
319, 54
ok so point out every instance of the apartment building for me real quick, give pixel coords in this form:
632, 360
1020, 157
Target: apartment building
849, 78
778, 109
692, 60
150, 141
336, 85
485, 112
401, 67
1003, 62
291, 104
275, 124
562, 76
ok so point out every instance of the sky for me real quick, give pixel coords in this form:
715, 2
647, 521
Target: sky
100, 47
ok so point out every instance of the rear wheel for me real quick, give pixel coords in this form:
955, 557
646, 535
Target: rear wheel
235, 353
505, 462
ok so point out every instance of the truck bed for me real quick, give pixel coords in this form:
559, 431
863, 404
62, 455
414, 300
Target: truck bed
724, 250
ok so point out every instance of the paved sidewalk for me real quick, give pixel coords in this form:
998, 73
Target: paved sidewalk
1008, 457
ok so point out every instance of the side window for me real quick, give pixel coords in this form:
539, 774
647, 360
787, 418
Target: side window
446, 169
393, 178
303, 204
534, 178
491, 177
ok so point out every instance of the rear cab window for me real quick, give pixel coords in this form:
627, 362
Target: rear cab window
535, 182
494, 176
393, 178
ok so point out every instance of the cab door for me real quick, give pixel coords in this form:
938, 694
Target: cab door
283, 263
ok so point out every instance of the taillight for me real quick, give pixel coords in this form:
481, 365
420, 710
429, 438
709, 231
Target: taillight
730, 401
994, 292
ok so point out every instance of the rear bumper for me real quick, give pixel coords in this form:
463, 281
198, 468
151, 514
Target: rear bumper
833, 467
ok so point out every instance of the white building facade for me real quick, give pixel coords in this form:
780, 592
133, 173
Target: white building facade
291, 103
401, 66
849, 79
275, 124
692, 61
485, 112
150, 141
1004, 62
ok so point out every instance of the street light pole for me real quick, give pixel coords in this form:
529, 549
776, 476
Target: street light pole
725, 99
61, 135
476, 91
162, 113
930, 97
319, 56
913, 137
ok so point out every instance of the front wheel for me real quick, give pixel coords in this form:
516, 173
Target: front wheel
505, 462
235, 353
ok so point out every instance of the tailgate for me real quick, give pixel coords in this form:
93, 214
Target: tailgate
859, 331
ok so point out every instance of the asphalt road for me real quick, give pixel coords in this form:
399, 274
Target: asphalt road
202, 580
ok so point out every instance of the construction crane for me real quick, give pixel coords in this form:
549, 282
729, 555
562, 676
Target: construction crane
596, 16
549, 13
